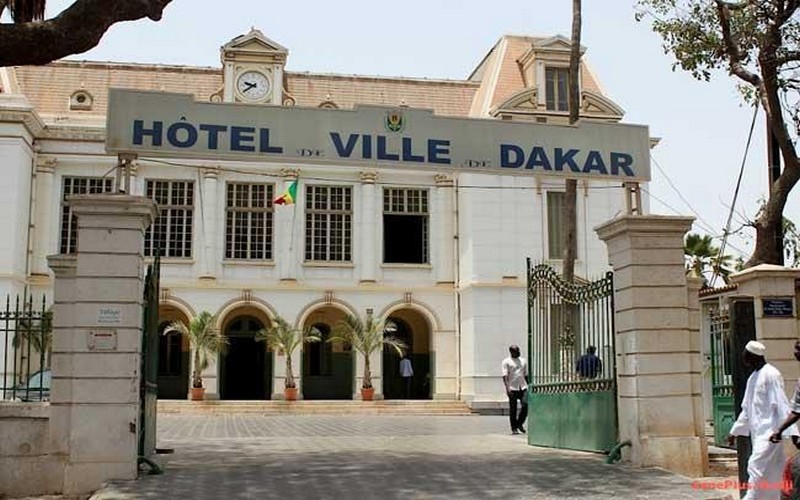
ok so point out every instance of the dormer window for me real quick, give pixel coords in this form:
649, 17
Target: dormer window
556, 88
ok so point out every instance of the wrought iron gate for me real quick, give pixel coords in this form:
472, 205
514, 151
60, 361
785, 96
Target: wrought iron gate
573, 395
721, 374
149, 380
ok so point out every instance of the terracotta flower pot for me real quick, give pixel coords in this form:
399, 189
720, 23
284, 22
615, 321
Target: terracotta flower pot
290, 393
198, 393
367, 394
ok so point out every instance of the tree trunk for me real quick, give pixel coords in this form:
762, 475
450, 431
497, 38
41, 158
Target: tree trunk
77, 29
367, 383
197, 378
289, 380
571, 185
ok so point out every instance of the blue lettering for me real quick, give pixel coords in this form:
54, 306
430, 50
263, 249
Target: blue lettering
408, 154
595, 162
438, 151
366, 147
191, 135
263, 143
382, 153
240, 137
506, 151
155, 133
344, 151
538, 158
568, 159
213, 134
621, 161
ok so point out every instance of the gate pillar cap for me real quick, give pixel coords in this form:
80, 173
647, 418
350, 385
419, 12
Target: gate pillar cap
643, 224
114, 205
763, 271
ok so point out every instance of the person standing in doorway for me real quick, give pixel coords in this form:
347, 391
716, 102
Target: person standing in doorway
406, 373
764, 409
515, 379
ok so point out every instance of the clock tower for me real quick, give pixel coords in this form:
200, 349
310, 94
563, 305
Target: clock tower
252, 66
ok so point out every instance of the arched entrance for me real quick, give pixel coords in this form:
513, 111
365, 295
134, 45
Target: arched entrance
173, 356
246, 365
413, 328
327, 366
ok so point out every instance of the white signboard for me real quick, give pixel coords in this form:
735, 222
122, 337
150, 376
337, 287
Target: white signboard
102, 340
158, 124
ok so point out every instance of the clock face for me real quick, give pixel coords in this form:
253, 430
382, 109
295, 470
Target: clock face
253, 86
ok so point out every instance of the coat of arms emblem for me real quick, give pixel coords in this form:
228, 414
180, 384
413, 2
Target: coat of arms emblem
395, 121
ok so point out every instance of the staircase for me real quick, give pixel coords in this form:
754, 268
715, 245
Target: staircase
327, 407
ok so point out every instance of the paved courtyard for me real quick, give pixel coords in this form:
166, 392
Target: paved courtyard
381, 457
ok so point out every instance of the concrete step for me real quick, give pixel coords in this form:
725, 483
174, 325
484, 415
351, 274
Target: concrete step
383, 407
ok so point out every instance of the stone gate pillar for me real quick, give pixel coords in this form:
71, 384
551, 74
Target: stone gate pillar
657, 344
773, 289
97, 337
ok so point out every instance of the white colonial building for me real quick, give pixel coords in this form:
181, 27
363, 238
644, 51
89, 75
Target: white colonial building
441, 251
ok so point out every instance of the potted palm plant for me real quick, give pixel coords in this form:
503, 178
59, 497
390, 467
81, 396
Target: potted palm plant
205, 341
367, 337
280, 336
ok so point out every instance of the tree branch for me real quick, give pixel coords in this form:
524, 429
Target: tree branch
734, 52
77, 29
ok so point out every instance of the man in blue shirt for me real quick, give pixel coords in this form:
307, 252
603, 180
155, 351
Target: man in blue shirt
589, 365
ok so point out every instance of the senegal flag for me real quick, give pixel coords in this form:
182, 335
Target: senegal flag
289, 196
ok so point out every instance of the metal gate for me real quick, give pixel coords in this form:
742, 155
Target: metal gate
721, 374
572, 395
149, 381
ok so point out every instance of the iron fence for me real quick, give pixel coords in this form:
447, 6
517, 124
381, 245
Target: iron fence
26, 327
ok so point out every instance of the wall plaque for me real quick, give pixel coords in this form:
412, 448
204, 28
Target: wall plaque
782, 307
102, 340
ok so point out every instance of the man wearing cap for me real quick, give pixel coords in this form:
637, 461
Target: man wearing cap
764, 408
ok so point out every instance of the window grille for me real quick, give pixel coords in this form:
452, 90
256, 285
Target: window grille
171, 233
405, 226
329, 223
248, 221
556, 93
69, 223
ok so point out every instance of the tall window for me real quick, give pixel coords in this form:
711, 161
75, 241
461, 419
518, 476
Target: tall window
556, 93
405, 226
555, 224
69, 223
171, 234
248, 221
329, 223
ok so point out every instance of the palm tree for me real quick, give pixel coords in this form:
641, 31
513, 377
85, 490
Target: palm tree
367, 337
38, 335
702, 257
281, 336
204, 339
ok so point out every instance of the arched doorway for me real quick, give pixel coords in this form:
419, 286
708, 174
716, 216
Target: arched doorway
414, 330
327, 366
173, 356
246, 364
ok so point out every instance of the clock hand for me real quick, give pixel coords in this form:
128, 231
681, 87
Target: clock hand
249, 86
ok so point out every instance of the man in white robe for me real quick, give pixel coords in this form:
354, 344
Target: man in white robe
764, 408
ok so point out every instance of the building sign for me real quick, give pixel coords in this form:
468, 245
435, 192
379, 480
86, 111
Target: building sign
102, 340
781, 307
157, 124
109, 316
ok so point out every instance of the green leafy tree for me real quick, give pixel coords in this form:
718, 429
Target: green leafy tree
367, 337
283, 337
32, 39
204, 340
757, 42
791, 243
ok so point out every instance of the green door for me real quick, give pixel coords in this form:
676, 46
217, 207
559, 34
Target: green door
721, 375
327, 369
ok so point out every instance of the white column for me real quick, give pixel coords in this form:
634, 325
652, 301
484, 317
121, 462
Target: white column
288, 250
444, 230
368, 264
97, 342
209, 211
43, 236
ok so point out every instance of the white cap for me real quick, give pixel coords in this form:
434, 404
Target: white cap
756, 348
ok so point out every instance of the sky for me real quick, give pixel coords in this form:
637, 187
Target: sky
703, 126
